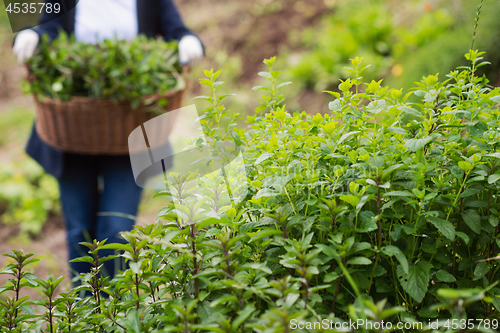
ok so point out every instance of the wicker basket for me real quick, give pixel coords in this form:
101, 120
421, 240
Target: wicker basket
93, 126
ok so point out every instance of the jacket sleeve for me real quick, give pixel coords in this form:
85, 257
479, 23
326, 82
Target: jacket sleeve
51, 23
171, 24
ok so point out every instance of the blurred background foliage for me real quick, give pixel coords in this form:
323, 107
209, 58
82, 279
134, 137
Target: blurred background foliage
27, 195
313, 40
402, 40
384, 33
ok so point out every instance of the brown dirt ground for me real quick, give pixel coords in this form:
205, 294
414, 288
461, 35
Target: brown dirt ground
252, 29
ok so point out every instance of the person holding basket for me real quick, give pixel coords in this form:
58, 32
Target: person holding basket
90, 184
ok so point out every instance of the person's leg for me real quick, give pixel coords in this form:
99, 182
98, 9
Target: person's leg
79, 199
121, 195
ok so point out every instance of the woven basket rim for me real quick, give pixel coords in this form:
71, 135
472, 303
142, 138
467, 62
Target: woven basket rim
85, 99
93, 99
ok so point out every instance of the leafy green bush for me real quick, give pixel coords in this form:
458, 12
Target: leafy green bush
119, 70
401, 40
382, 211
27, 196
374, 30
402, 201
443, 53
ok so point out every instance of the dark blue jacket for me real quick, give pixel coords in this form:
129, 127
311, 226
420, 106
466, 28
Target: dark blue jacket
155, 18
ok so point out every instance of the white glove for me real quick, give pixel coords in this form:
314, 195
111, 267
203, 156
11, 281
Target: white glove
25, 44
190, 49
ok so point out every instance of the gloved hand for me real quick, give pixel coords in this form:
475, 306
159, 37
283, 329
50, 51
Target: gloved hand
190, 49
25, 44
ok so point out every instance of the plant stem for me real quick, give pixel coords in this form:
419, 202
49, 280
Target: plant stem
478, 15
137, 291
50, 315
334, 221
195, 264
456, 240
18, 285
306, 284
379, 200
337, 289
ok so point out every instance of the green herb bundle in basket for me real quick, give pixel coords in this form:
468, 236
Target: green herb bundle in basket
90, 97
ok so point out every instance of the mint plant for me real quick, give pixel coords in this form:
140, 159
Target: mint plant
386, 209
139, 71
16, 309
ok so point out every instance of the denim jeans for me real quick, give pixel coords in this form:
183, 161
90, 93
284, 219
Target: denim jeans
97, 184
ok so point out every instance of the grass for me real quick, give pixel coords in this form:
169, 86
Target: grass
15, 125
